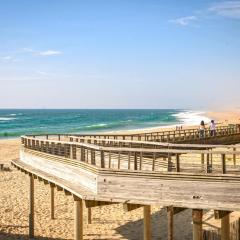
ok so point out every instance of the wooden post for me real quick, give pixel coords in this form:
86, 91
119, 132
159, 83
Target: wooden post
170, 222
153, 161
169, 162
202, 160
140, 160
78, 219
93, 157
234, 157
209, 167
89, 215
82, 154
147, 222
197, 224
129, 160
102, 159
71, 151
119, 158
31, 207
52, 201
178, 162
223, 163
225, 228
135, 161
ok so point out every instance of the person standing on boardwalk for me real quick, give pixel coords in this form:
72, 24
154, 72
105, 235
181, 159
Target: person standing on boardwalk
202, 129
212, 128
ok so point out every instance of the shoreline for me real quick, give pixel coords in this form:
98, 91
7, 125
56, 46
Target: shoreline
220, 117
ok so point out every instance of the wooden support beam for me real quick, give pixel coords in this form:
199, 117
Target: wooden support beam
52, 201
170, 222
31, 207
102, 159
78, 219
225, 227
127, 207
234, 157
67, 193
197, 224
147, 222
223, 163
219, 214
89, 215
202, 160
177, 210
178, 163
59, 188
92, 203
135, 161
45, 182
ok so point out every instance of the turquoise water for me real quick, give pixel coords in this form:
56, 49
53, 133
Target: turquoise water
14, 123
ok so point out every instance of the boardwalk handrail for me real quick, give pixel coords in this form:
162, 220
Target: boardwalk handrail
163, 136
128, 158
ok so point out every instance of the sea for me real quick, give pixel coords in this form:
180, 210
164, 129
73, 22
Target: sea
17, 122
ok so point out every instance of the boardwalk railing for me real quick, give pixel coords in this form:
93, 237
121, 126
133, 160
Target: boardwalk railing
166, 136
157, 159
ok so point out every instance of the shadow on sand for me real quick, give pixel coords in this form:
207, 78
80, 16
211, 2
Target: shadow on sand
182, 223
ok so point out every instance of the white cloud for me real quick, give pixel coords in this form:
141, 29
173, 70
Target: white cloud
42, 53
230, 9
49, 53
9, 59
184, 21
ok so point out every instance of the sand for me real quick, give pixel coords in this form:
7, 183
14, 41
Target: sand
108, 222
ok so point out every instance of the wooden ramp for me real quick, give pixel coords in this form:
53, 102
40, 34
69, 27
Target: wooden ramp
99, 171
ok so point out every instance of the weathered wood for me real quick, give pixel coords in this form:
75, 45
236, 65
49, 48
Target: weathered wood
92, 203
197, 224
78, 219
130, 207
31, 207
219, 214
147, 222
170, 222
102, 159
225, 227
223, 156
52, 200
135, 160
234, 157
89, 215
177, 162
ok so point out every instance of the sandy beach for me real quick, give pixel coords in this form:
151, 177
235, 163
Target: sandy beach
108, 222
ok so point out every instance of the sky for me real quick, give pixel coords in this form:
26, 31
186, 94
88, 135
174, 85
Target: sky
119, 54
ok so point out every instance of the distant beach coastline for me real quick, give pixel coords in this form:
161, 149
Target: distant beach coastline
14, 123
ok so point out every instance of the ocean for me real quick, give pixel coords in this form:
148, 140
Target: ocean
17, 122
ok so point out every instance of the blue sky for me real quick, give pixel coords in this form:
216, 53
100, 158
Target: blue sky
119, 54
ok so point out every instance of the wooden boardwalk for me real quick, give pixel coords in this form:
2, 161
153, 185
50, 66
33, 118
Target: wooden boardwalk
138, 171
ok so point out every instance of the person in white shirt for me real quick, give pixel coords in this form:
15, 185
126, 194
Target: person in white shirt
212, 128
